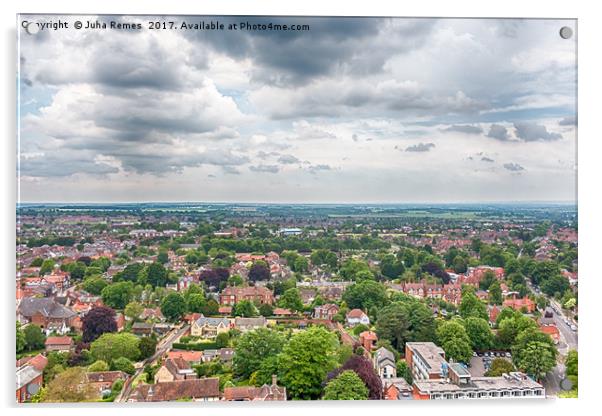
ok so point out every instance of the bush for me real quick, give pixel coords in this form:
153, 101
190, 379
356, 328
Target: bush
123, 364
99, 365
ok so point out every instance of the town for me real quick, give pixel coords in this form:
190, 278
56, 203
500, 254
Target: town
249, 302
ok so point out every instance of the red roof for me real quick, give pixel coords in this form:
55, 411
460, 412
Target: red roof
355, 313
58, 341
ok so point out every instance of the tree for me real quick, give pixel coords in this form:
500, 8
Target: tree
148, 347
487, 279
70, 386
346, 386
266, 310
390, 267
245, 308
301, 264
536, 359
460, 264
133, 310
129, 274
173, 306
471, 305
94, 285
455, 341
157, 275
510, 328
123, 364
555, 284
34, 337
495, 293
479, 332
259, 271
211, 278
212, 308
99, 320
404, 371
364, 369
77, 271
110, 346
196, 302
222, 340
406, 321
47, 267
117, 295
162, 257
252, 348
306, 360
98, 365
291, 299
353, 269
21, 341
365, 295
498, 367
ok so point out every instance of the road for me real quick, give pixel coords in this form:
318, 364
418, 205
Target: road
162, 347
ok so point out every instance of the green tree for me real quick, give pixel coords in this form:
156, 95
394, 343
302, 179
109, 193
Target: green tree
21, 341
123, 364
173, 306
77, 271
291, 299
498, 367
346, 386
70, 386
266, 310
365, 295
148, 346
252, 348
98, 365
301, 265
536, 359
34, 337
481, 337
133, 310
495, 293
471, 305
306, 360
196, 302
47, 267
94, 285
117, 295
454, 340
404, 371
157, 275
110, 346
245, 308
162, 257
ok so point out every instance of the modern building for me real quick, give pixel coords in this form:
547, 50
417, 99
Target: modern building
426, 360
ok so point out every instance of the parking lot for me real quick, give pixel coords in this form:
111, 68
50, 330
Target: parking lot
480, 363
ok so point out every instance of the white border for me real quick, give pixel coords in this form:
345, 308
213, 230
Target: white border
589, 182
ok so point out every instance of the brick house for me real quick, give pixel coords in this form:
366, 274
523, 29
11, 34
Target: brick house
233, 295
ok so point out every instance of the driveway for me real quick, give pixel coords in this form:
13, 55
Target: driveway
476, 369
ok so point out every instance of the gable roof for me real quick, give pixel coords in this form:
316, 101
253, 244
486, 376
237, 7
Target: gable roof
48, 307
202, 321
174, 390
58, 341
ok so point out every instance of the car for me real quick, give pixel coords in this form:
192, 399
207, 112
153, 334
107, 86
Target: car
474, 354
508, 355
574, 328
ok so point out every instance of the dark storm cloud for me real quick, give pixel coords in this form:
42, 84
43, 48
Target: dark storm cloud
64, 164
265, 168
420, 147
331, 44
468, 129
498, 132
530, 132
513, 167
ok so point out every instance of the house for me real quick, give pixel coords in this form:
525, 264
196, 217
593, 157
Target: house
174, 369
384, 363
29, 381
267, 392
552, 331
519, 304
103, 380
249, 324
142, 328
308, 294
282, 312
154, 314
368, 340
425, 360
232, 295
226, 354
209, 327
225, 310
397, 389
192, 357
63, 344
326, 311
161, 328
38, 361
46, 313
206, 389
356, 317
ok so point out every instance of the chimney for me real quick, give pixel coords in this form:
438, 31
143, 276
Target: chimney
274, 379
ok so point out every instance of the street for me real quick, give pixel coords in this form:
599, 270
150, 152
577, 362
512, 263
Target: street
162, 347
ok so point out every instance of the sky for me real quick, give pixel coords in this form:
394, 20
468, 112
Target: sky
375, 110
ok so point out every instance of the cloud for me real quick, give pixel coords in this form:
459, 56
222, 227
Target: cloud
529, 132
467, 129
265, 168
420, 147
498, 132
288, 159
513, 167
568, 121
487, 159
313, 169
231, 170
